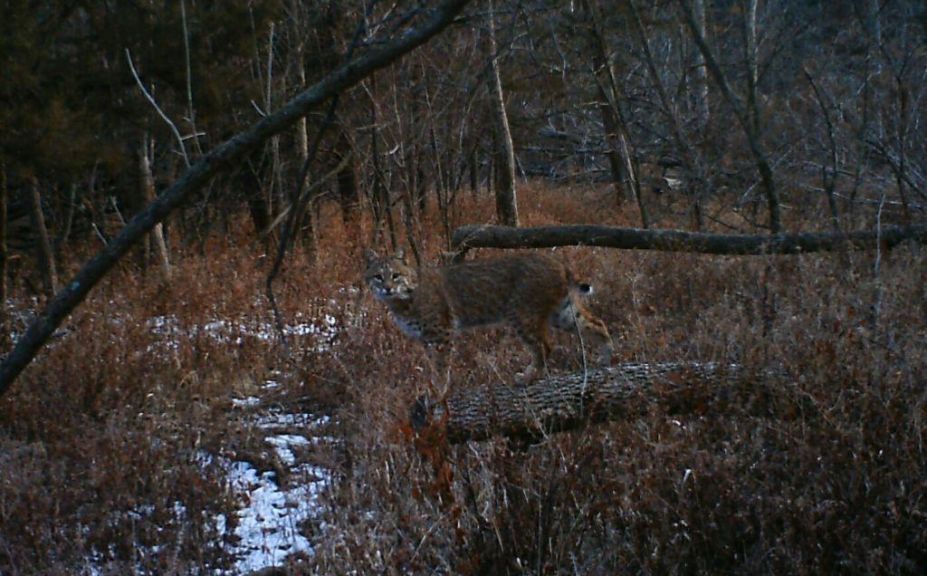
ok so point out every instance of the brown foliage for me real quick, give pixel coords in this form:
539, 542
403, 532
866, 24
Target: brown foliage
816, 467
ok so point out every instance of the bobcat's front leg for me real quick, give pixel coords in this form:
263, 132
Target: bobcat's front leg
439, 353
537, 339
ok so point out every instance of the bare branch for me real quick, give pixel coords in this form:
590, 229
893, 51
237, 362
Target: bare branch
154, 103
223, 157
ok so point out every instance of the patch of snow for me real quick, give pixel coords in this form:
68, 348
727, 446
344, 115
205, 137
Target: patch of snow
287, 420
268, 527
283, 444
247, 402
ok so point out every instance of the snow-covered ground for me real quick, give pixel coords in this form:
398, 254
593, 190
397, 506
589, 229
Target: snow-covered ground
231, 332
272, 512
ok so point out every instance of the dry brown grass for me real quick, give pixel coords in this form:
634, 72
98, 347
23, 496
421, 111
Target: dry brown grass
816, 467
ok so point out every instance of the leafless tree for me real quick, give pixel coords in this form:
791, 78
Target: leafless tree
155, 240
504, 151
748, 115
44, 254
431, 21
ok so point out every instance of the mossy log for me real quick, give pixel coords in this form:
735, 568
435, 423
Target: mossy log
569, 401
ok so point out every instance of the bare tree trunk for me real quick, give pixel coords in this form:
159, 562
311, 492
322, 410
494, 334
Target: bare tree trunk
873, 70
747, 117
347, 177
381, 195
611, 135
702, 107
405, 119
4, 331
829, 173
61, 239
310, 229
750, 58
609, 90
441, 191
504, 150
147, 193
474, 173
46, 258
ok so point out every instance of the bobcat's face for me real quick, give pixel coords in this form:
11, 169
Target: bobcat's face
390, 277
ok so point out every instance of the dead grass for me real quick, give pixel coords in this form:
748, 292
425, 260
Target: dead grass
816, 466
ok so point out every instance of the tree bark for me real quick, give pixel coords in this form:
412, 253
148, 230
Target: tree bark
223, 157
348, 196
610, 123
467, 237
147, 192
504, 150
46, 258
310, 229
618, 135
4, 331
702, 107
571, 401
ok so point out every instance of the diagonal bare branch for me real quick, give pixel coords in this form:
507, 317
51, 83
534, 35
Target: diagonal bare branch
221, 158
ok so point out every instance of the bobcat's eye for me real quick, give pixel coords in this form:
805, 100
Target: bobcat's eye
395, 276
378, 277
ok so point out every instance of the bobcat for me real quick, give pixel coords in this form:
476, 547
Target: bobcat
528, 292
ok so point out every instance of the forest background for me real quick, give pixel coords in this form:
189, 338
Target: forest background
717, 116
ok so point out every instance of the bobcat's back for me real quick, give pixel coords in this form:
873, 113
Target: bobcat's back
530, 292
492, 291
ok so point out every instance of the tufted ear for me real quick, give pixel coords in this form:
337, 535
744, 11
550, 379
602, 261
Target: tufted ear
401, 255
370, 255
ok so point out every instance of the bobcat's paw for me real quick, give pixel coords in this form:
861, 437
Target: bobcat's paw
527, 377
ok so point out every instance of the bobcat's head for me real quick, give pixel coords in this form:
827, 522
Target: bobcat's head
390, 277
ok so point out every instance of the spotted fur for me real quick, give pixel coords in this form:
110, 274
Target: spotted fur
528, 292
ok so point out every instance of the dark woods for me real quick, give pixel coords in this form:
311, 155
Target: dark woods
775, 110
738, 118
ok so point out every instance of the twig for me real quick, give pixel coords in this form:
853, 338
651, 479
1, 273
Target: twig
151, 100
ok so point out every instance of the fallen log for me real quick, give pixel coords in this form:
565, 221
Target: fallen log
486, 236
569, 401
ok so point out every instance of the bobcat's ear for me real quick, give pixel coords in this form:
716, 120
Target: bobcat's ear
370, 255
401, 254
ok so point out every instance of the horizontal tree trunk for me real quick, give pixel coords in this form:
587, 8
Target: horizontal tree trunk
467, 237
570, 401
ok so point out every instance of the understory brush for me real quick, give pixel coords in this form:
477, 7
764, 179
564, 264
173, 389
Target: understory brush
814, 461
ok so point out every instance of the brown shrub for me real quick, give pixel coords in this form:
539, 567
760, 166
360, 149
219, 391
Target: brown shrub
815, 464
